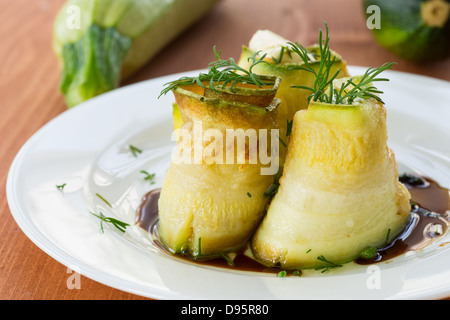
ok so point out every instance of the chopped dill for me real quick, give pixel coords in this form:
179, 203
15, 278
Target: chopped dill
120, 225
134, 150
104, 200
297, 273
271, 191
282, 142
149, 176
61, 186
282, 273
199, 252
369, 253
387, 235
228, 260
289, 127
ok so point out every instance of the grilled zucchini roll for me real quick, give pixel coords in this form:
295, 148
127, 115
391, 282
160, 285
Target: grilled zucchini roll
340, 192
284, 61
212, 198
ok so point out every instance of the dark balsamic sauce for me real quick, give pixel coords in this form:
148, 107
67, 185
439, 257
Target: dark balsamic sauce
429, 220
147, 218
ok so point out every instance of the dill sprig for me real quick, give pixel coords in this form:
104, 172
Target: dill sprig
227, 259
135, 150
329, 264
323, 77
362, 90
116, 223
323, 89
149, 176
283, 50
222, 73
199, 252
104, 200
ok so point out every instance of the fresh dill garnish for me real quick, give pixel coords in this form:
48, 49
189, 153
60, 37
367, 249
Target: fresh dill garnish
297, 273
282, 51
361, 90
369, 253
323, 77
199, 252
271, 191
104, 200
282, 273
134, 150
228, 260
116, 223
61, 186
282, 142
222, 73
323, 90
329, 265
387, 235
278, 61
149, 176
289, 127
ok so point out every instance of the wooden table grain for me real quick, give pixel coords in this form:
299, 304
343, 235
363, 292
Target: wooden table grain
29, 98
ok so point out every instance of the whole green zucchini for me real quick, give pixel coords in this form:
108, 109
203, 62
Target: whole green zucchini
415, 30
101, 42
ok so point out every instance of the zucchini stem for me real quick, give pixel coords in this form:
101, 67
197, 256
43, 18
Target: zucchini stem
435, 13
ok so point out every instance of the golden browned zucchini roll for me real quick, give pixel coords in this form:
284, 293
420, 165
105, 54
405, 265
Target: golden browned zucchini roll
340, 192
286, 63
212, 198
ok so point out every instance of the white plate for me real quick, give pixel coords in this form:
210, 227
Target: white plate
87, 148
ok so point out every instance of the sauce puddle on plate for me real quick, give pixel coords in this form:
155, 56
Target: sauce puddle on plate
429, 221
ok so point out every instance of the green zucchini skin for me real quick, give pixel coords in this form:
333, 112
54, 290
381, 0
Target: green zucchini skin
92, 65
405, 32
99, 43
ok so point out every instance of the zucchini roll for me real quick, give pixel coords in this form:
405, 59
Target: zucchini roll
285, 60
340, 191
212, 198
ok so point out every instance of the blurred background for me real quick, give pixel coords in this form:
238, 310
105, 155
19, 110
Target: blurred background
30, 96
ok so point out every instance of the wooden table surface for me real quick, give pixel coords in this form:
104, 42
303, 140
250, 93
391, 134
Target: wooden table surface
29, 98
